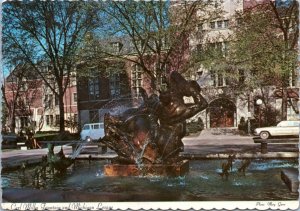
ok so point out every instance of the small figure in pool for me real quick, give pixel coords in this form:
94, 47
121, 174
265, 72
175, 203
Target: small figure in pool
245, 164
227, 166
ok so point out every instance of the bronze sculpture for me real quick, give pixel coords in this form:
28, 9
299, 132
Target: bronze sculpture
152, 133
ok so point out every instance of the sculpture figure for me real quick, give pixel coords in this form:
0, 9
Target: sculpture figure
152, 133
57, 161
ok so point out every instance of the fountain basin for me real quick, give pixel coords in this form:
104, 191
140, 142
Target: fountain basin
86, 182
177, 169
290, 178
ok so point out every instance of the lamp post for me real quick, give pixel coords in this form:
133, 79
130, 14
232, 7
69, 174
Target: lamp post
259, 102
249, 123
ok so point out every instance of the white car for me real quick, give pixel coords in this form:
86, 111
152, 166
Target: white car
92, 131
283, 128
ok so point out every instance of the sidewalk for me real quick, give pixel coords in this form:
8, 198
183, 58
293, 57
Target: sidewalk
209, 145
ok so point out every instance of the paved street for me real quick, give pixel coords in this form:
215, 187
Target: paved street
205, 145
209, 144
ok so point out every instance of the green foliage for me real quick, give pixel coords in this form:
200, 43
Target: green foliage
262, 46
47, 35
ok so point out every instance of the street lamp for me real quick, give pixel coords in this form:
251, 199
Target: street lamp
259, 102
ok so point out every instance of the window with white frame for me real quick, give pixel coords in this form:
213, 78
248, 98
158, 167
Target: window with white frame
220, 24
57, 119
74, 97
114, 85
116, 47
220, 47
218, 79
94, 88
49, 120
212, 25
48, 101
161, 77
136, 80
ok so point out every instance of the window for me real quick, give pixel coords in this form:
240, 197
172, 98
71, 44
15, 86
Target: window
212, 25
56, 100
51, 101
225, 48
226, 23
214, 78
75, 97
219, 23
51, 119
136, 77
57, 118
114, 85
94, 88
96, 126
221, 48
48, 101
161, 78
94, 116
47, 120
116, 47
241, 76
24, 86
24, 121
220, 80
75, 117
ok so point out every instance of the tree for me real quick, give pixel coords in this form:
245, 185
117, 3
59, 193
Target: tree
19, 91
262, 50
157, 31
46, 35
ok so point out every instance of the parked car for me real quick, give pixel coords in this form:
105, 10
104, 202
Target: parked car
92, 132
283, 128
9, 140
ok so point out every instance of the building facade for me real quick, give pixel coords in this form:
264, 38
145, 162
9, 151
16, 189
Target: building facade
227, 107
31, 103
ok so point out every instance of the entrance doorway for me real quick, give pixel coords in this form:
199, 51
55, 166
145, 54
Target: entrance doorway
221, 113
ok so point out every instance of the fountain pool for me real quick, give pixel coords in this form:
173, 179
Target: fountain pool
261, 182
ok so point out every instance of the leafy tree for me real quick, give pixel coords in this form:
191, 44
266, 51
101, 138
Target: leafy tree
262, 50
19, 91
156, 32
46, 35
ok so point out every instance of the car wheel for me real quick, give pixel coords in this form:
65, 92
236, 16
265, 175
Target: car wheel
264, 135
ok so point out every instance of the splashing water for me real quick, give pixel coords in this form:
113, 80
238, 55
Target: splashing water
78, 149
119, 105
138, 160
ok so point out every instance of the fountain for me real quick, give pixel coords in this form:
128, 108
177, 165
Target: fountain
147, 139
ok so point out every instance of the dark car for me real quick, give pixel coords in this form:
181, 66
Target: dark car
9, 140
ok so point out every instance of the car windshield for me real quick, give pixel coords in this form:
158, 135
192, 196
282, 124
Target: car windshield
281, 124
86, 127
288, 124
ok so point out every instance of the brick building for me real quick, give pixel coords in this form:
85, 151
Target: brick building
31, 102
